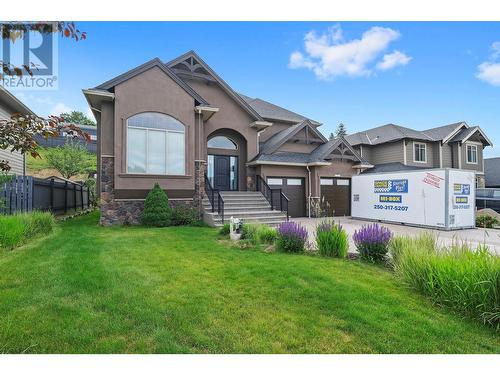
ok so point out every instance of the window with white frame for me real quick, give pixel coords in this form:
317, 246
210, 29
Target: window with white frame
155, 144
472, 154
420, 152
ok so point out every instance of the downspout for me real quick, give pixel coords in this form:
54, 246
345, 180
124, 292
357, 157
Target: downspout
309, 197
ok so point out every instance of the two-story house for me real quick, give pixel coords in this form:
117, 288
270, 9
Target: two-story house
392, 147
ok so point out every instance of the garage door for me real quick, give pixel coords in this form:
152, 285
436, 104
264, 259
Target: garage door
294, 189
337, 192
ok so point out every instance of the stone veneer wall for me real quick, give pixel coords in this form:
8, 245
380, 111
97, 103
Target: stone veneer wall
126, 211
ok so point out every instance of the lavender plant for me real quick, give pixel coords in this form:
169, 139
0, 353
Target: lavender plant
291, 237
372, 242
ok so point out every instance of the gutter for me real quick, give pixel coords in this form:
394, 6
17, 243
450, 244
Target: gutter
318, 163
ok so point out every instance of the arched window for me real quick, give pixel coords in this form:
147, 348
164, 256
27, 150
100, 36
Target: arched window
221, 142
155, 144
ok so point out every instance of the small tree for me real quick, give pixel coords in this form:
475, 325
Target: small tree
331, 137
157, 212
77, 117
71, 159
341, 130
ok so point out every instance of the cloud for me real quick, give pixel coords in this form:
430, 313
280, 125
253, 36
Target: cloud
489, 71
60, 108
328, 55
391, 60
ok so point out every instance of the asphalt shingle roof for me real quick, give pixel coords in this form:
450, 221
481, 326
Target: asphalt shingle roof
391, 167
385, 133
274, 112
462, 134
441, 132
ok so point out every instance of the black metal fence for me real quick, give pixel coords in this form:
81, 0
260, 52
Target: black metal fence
488, 198
26, 193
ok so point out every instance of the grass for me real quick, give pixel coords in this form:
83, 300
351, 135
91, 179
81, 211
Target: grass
88, 289
23, 227
458, 276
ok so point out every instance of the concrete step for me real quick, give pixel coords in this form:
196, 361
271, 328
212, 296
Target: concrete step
249, 214
271, 223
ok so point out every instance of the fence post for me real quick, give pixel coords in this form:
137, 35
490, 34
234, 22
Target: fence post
52, 194
65, 197
74, 195
31, 197
81, 194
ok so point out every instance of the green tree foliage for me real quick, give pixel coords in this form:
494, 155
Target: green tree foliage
157, 212
77, 117
331, 137
341, 130
71, 159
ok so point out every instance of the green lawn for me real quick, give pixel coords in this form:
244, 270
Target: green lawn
87, 289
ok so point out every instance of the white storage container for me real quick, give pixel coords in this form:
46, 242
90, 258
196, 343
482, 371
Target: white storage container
435, 198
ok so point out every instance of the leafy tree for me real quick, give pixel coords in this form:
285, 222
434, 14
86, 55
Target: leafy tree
71, 159
19, 133
341, 130
331, 137
157, 212
77, 117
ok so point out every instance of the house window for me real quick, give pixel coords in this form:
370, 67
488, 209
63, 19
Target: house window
221, 142
420, 153
472, 154
155, 144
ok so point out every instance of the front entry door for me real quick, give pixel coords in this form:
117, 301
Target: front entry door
222, 168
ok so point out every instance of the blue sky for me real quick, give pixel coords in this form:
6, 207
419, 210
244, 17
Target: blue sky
415, 74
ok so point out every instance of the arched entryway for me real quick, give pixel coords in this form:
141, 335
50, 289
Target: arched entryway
226, 158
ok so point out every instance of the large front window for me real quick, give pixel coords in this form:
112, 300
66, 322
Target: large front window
420, 153
155, 144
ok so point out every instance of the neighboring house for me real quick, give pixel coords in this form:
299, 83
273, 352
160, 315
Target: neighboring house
9, 105
175, 123
393, 147
492, 172
90, 145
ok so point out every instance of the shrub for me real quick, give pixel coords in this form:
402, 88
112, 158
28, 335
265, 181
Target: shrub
249, 233
292, 237
486, 221
182, 215
331, 239
157, 212
224, 230
266, 235
16, 230
372, 242
460, 277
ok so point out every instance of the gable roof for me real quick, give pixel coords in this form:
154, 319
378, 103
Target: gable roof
13, 102
219, 80
109, 85
492, 172
272, 111
319, 156
278, 139
442, 132
385, 133
464, 134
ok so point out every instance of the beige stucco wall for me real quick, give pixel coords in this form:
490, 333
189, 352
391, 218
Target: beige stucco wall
230, 115
151, 91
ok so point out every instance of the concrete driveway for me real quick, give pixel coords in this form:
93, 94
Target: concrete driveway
490, 237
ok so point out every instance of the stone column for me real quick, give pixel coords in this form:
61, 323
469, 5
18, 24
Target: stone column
200, 167
106, 189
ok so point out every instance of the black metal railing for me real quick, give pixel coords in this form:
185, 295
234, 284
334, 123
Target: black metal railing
215, 198
268, 193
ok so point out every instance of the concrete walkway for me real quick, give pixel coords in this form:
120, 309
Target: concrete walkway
490, 237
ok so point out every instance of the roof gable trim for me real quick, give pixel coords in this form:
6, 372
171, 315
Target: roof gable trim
219, 80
